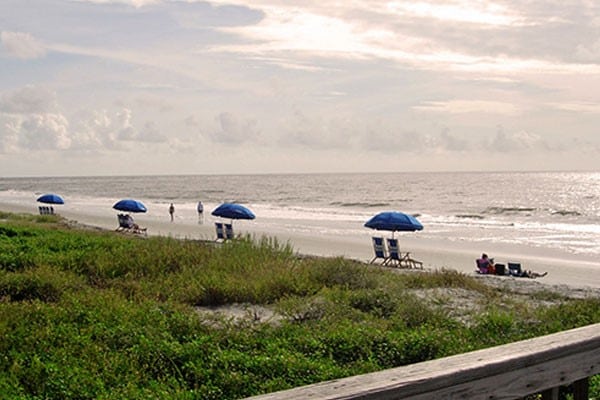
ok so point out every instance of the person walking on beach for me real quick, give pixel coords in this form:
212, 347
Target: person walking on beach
171, 211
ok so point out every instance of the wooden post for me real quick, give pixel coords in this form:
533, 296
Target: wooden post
581, 389
550, 394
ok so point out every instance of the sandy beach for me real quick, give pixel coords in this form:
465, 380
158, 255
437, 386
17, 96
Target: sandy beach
563, 269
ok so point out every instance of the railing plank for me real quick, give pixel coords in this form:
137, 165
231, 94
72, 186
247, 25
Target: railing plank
507, 372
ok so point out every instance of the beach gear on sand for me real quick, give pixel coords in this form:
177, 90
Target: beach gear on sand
393, 221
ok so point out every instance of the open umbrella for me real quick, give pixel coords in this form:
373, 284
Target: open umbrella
394, 221
130, 205
51, 198
233, 211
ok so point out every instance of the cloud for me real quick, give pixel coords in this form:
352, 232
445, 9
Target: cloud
516, 142
150, 134
468, 106
134, 3
233, 131
22, 45
28, 99
577, 107
44, 132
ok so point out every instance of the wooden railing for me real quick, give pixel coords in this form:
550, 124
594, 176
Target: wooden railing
511, 371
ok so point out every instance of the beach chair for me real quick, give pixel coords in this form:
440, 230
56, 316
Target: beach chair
514, 269
125, 223
379, 249
398, 259
228, 231
220, 231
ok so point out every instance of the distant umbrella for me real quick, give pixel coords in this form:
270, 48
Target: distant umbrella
233, 211
130, 205
394, 221
51, 198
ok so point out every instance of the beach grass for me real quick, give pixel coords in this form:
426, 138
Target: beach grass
88, 314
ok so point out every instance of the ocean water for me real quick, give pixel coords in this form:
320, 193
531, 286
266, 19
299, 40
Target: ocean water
546, 210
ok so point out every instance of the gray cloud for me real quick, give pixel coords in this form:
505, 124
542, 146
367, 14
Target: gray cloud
233, 131
28, 99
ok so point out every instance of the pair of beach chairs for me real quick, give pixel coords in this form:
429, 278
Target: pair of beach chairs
389, 252
46, 210
126, 224
224, 231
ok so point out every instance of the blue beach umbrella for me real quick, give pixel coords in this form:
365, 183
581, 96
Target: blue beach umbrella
130, 205
233, 211
394, 221
51, 198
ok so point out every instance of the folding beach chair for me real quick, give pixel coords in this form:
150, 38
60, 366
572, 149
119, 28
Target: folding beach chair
228, 231
514, 269
220, 231
397, 258
125, 224
379, 249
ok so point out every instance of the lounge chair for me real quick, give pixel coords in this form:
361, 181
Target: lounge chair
220, 231
228, 231
514, 269
398, 259
379, 249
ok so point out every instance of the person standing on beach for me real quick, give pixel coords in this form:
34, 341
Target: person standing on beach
171, 211
200, 209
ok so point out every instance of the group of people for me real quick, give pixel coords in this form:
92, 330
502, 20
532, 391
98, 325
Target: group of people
199, 208
486, 265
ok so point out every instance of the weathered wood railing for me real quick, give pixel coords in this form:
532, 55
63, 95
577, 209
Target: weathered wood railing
510, 371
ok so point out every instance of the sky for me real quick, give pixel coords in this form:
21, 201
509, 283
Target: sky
132, 87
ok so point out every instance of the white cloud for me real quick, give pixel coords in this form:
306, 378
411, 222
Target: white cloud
484, 13
22, 45
134, 3
577, 107
44, 132
516, 142
468, 106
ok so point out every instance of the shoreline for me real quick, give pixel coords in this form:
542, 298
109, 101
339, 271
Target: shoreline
573, 272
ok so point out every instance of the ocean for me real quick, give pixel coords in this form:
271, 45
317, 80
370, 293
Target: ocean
545, 210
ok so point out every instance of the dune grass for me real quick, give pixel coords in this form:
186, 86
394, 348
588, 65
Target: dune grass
87, 314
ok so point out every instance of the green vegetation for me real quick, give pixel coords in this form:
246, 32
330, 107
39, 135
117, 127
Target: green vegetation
87, 314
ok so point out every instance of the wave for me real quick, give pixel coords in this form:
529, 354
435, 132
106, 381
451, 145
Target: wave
566, 213
508, 210
470, 216
359, 204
